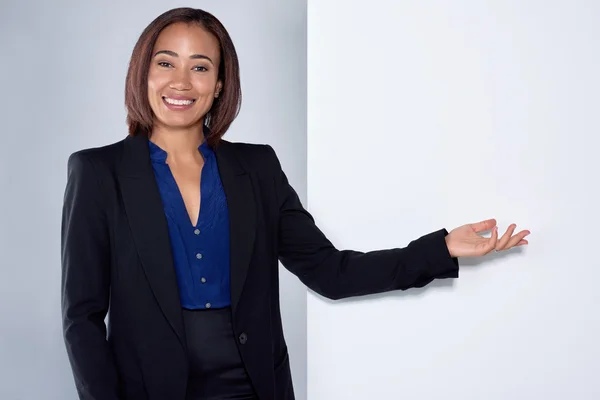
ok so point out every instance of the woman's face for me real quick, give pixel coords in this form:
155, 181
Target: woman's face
183, 75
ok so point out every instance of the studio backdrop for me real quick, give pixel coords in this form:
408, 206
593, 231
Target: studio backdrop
63, 79
432, 114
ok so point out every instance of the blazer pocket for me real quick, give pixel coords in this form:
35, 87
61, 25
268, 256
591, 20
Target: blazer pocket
282, 364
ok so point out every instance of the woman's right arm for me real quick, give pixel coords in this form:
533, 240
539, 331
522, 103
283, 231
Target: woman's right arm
85, 283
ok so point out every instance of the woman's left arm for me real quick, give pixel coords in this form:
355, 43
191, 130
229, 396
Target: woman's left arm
305, 251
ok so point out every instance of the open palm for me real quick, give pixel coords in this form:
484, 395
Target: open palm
466, 241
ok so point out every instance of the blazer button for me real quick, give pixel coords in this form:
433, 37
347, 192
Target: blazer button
243, 338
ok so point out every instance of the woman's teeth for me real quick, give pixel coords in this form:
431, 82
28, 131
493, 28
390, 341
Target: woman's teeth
178, 102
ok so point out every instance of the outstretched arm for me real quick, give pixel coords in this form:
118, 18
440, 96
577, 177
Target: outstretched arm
305, 251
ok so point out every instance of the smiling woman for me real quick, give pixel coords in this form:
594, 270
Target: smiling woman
183, 55
179, 234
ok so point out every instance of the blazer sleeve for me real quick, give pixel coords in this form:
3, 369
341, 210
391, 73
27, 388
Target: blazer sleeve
305, 251
85, 256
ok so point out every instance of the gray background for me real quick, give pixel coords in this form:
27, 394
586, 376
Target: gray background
62, 75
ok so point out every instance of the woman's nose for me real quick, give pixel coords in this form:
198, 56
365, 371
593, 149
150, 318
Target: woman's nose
181, 81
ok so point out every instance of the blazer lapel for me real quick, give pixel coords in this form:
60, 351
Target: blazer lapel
242, 216
145, 213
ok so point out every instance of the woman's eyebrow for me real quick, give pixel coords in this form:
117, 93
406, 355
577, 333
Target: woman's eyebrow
193, 56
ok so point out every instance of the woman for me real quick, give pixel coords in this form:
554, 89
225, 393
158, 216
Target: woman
179, 232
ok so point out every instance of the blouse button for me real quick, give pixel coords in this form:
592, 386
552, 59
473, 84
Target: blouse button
198, 256
197, 231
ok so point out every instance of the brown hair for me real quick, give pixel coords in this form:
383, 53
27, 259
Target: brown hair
225, 108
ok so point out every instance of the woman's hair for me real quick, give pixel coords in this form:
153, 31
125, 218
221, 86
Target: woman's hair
225, 108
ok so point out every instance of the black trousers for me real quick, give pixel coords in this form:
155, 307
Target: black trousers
216, 368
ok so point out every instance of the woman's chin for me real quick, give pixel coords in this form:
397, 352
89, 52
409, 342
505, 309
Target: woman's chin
178, 124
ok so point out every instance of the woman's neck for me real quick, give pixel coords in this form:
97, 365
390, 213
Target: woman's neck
180, 144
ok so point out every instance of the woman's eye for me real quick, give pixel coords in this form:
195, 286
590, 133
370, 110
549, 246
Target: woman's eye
199, 68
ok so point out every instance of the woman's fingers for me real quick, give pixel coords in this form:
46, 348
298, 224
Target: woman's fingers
508, 242
484, 225
502, 243
517, 239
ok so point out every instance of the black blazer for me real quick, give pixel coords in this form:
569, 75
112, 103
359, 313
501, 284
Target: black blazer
116, 256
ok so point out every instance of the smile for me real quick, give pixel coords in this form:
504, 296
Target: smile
178, 102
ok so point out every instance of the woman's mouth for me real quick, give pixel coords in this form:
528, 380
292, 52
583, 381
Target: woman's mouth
178, 104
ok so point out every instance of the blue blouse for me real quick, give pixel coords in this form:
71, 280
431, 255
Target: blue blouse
200, 252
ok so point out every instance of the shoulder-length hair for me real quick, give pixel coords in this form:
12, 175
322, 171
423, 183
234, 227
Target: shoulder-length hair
225, 108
